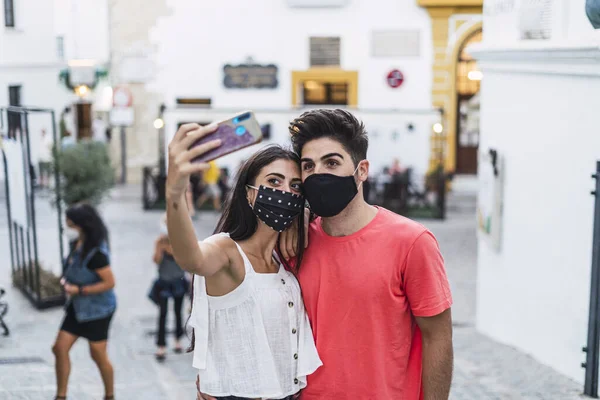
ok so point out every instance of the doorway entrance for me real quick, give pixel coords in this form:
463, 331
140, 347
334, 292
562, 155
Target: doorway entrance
83, 117
468, 83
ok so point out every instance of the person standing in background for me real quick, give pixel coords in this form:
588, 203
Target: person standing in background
171, 283
88, 282
99, 129
45, 159
211, 190
396, 169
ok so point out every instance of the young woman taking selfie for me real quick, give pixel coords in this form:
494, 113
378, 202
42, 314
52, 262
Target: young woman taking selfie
252, 338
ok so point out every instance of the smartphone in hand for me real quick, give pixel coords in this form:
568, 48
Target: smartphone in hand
237, 132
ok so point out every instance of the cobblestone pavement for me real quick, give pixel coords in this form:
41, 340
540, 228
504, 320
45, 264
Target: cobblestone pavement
483, 369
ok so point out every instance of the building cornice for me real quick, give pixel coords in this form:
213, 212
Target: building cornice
542, 58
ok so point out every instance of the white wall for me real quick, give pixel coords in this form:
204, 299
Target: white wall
534, 294
84, 26
32, 39
29, 58
539, 102
198, 38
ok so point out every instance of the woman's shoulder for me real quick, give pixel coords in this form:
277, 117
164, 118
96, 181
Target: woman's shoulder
98, 260
220, 239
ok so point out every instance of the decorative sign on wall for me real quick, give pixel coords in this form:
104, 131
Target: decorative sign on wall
325, 51
490, 198
535, 19
395, 78
250, 76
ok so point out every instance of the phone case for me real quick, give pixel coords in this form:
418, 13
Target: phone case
234, 135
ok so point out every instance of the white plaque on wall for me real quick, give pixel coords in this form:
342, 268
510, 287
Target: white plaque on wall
317, 3
396, 43
136, 69
122, 116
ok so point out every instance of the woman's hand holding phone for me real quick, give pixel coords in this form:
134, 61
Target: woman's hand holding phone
181, 155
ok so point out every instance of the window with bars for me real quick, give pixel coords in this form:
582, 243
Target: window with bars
9, 13
325, 51
325, 93
14, 95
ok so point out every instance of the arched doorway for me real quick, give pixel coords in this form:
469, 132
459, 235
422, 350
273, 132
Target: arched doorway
467, 84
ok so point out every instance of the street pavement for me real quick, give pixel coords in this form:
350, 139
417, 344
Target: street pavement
483, 369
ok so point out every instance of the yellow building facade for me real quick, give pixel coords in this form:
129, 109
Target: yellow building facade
454, 23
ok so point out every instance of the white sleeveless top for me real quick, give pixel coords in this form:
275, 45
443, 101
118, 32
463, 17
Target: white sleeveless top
255, 341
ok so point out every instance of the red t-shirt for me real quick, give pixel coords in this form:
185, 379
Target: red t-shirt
362, 293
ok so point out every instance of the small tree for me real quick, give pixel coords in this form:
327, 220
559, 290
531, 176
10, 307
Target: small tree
86, 173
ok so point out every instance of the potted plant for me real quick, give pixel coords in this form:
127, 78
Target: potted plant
86, 173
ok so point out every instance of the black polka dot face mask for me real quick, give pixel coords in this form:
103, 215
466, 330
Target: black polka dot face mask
277, 208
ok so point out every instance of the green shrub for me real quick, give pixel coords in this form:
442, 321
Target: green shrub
86, 173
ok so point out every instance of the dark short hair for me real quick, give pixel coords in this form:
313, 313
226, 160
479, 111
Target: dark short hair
337, 124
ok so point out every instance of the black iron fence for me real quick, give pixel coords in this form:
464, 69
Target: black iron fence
592, 349
41, 287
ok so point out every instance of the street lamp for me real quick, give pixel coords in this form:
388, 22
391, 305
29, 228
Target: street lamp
82, 90
82, 76
159, 123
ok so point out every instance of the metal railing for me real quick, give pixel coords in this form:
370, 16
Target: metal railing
23, 238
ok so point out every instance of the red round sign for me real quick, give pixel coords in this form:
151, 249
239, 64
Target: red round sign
122, 97
395, 78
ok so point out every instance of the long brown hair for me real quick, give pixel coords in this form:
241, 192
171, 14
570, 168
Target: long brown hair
239, 220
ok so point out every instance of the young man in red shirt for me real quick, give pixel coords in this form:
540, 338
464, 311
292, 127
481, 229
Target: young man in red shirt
373, 282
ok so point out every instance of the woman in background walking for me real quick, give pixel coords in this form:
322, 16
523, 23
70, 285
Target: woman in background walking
171, 283
88, 282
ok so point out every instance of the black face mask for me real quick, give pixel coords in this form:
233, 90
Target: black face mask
277, 208
329, 194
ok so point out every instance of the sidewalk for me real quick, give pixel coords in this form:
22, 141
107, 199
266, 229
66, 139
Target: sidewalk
483, 369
